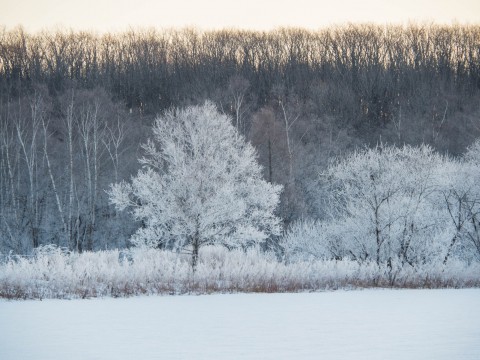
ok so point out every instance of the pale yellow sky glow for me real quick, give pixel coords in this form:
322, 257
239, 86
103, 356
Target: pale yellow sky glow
115, 15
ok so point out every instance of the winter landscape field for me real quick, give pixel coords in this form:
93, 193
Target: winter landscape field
267, 187
368, 324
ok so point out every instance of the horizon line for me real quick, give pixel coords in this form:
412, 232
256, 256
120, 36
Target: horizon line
199, 28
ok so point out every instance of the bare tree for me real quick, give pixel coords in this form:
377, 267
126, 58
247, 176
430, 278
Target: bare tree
113, 141
27, 138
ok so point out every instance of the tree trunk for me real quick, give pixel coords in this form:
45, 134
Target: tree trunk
195, 253
270, 170
450, 247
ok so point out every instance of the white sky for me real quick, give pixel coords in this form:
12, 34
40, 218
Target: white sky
111, 15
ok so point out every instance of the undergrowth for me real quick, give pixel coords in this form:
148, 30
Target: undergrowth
53, 273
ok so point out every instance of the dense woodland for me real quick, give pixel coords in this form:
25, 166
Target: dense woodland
75, 108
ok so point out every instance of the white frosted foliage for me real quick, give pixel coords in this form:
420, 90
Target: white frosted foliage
200, 184
407, 205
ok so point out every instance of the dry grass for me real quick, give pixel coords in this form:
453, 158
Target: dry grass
56, 274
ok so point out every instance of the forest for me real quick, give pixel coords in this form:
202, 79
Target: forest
76, 107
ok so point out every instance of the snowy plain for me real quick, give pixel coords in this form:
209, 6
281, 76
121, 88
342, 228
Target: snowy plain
360, 324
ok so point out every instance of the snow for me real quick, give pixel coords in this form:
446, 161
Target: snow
368, 324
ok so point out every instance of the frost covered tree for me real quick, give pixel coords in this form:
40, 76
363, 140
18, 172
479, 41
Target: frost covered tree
385, 198
200, 184
407, 205
461, 200
472, 159
383, 205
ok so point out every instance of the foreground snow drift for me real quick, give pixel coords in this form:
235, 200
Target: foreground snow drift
369, 324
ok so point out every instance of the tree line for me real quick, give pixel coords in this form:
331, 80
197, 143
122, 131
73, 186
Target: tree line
154, 69
75, 107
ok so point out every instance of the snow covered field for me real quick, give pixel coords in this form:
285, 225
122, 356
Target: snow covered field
368, 324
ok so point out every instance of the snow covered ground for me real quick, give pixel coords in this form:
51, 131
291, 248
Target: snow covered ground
368, 324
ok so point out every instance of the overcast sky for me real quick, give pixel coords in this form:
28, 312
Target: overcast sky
112, 15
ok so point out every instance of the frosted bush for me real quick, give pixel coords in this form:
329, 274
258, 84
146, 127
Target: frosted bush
304, 240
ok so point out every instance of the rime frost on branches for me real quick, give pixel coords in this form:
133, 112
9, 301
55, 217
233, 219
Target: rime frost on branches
200, 184
382, 207
406, 205
385, 199
462, 200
